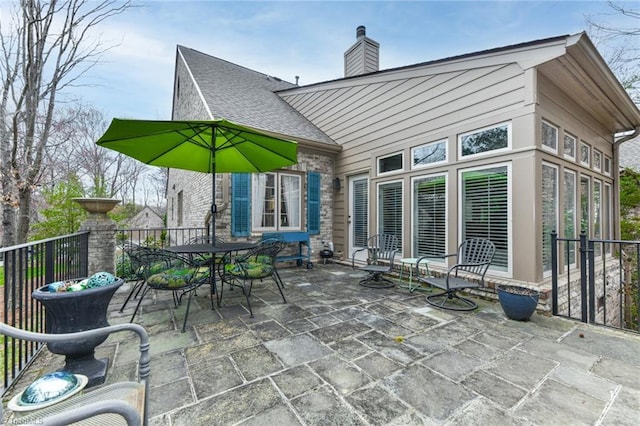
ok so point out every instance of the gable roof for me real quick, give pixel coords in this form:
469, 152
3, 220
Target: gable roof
248, 97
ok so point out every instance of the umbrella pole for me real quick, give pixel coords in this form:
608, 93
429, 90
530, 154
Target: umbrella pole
214, 211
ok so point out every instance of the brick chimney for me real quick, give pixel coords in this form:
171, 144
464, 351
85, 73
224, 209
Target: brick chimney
363, 57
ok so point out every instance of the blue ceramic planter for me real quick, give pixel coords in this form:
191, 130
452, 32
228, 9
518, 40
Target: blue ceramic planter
518, 303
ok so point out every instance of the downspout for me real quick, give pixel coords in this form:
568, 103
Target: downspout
616, 170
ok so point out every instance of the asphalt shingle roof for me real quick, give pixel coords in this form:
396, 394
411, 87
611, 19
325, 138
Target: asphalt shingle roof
247, 97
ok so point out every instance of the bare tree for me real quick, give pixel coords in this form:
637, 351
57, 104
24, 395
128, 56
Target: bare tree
47, 47
620, 42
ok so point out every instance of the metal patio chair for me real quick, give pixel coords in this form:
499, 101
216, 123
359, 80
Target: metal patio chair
257, 264
381, 252
473, 259
165, 270
114, 404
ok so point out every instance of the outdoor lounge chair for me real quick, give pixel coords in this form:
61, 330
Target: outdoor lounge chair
114, 404
381, 252
473, 259
257, 264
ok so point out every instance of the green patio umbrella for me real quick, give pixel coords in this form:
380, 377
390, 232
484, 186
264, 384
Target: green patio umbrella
208, 146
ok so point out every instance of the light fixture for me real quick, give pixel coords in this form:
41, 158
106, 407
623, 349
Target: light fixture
336, 184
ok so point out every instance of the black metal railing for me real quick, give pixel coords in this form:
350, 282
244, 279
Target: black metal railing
159, 237
25, 268
596, 281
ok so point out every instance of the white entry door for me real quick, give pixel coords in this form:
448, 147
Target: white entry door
358, 214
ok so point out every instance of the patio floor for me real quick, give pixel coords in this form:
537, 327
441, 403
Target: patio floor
338, 353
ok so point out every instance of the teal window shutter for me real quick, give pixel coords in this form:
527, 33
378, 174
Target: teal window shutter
313, 203
240, 204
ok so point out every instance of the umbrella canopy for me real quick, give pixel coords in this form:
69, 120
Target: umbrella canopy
208, 146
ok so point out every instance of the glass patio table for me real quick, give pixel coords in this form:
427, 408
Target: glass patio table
207, 248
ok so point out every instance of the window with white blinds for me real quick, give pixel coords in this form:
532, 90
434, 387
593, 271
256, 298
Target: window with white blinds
549, 211
485, 210
360, 217
390, 209
429, 216
570, 216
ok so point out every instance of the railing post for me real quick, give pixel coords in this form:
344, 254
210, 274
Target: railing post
592, 283
583, 276
638, 284
49, 262
554, 272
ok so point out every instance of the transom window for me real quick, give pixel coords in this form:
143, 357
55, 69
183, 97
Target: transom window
428, 154
597, 160
607, 165
569, 146
585, 154
549, 137
276, 201
390, 163
485, 140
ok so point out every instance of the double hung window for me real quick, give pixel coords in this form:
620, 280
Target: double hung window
276, 202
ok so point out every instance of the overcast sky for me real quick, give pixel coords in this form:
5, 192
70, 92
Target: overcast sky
303, 38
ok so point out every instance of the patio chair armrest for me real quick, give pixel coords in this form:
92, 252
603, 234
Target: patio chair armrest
417, 273
17, 333
128, 412
353, 257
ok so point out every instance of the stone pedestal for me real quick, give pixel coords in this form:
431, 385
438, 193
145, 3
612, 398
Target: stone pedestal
102, 233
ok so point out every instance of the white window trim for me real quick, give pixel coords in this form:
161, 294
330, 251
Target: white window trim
438, 261
545, 147
278, 228
392, 172
509, 272
557, 196
575, 147
378, 231
486, 153
435, 163
588, 163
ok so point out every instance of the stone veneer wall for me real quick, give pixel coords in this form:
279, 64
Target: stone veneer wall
608, 285
196, 187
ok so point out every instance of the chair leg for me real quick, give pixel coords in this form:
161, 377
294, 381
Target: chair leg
137, 287
456, 302
186, 314
144, 292
280, 285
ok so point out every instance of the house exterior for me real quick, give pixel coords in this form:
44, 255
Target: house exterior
147, 218
508, 144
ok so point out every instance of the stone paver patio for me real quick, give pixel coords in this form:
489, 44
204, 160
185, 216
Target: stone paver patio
341, 354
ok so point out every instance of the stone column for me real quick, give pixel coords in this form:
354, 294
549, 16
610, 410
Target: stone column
102, 233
